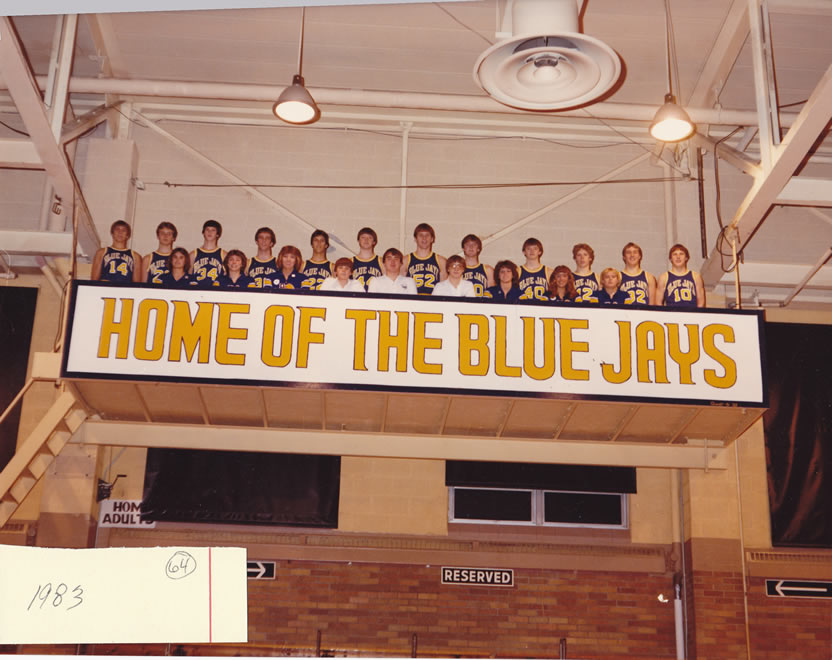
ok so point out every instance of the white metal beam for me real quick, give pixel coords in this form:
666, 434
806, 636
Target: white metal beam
787, 157
36, 242
806, 191
342, 443
77, 127
724, 52
784, 276
728, 154
26, 96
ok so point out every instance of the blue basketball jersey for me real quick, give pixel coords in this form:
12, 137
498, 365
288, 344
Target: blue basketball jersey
364, 271
680, 290
117, 266
636, 288
261, 272
207, 267
315, 272
158, 266
587, 286
425, 272
478, 278
533, 284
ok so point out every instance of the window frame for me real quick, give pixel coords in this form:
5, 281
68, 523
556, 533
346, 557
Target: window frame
538, 512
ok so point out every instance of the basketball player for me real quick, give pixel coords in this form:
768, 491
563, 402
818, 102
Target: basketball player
366, 265
118, 263
638, 284
586, 282
480, 275
680, 287
263, 266
425, 266
207, 260
534, 276
610, 293
317, 268
155, 264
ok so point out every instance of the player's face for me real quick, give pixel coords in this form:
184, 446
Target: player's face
678, 258
632, 256
609, 280
532, 252
342, 273
177, 260
366, 242
470, 249
392, 265
456, 269
121, 234
582, 259
505, 275
288, 261
235, 263
424, 240
561, 279
264, 241
210, 234
319, 244
165, 236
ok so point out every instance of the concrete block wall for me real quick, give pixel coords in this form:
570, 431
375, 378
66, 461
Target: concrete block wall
606, 217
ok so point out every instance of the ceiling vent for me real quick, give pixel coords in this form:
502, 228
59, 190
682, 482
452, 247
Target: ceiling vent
543, 61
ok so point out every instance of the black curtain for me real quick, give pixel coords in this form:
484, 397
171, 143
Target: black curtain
798, 431
582, 478
183, 485
17, 318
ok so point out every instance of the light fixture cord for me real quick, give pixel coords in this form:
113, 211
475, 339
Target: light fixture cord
300, 45
670, 40
667, 45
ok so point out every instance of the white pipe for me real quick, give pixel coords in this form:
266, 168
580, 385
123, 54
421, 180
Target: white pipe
680, 626
821, 262
413, 100
669, 207
406, 126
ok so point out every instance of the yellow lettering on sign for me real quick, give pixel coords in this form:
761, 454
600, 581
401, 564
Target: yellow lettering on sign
190, 332
387, 341
120, 328
225, 333
684, 360
568, 346
729, 378
423, 343
468, 346
305, 334
287, 324
360, 316
157, 332
501, 350
645, 353
529, 340
625, 352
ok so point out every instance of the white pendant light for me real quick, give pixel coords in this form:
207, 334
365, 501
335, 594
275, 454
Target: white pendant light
671, 123
295, 104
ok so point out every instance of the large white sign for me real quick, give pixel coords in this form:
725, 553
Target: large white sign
365, 341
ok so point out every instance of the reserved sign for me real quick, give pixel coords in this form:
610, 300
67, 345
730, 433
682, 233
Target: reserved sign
489, 577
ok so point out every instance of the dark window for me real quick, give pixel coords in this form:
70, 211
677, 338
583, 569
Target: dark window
583, 508
479, 504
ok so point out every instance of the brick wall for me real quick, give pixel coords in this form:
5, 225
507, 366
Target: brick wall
377, 608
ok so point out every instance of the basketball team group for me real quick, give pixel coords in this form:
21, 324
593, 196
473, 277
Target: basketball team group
421, 272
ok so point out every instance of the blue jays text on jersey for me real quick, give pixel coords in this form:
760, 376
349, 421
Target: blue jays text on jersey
117, 265
478, 278
364, 271
315, 272
533, 284
680, 290
425, 272
587, 286
636, 288
207, 266
261, 272
157, 267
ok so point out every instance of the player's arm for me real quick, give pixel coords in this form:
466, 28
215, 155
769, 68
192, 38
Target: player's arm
146, 267
441, 261
700, 289
193, 259
138, 270
651, 289
660, 287
95, 273
489, 276
405, 263
548, 272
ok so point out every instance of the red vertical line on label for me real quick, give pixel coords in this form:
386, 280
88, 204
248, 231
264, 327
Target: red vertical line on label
210, 622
